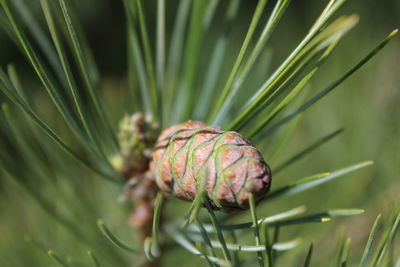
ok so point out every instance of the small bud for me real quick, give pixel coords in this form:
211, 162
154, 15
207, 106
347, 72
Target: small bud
187, 153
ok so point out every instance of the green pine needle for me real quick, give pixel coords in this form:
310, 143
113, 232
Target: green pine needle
371, 238
182, 65
113, 239
57, 258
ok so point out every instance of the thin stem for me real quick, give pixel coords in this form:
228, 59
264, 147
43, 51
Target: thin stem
275, 240
260, 255
156, 223
206, 239
218, 230
236, 259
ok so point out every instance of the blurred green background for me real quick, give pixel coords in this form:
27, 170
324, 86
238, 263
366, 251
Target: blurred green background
366, 105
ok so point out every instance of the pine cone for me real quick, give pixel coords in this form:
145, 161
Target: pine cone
189, 152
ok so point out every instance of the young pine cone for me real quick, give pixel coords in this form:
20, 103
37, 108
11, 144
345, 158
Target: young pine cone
187, 153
